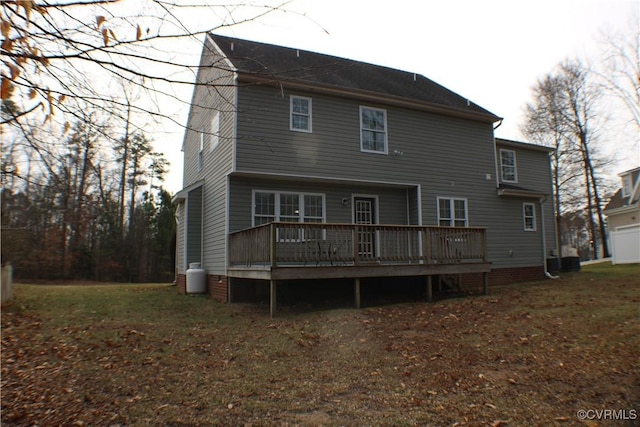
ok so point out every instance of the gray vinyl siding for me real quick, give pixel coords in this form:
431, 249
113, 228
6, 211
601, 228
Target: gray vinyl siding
217, 162
180, 233
391, 201
426, 144
193, 227
511, 246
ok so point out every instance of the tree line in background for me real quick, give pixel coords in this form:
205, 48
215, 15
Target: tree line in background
85, 205
576, 108
80, 84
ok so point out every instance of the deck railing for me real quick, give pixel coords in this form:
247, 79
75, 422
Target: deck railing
323, 244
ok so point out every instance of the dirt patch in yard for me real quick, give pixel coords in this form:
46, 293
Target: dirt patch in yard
531, 354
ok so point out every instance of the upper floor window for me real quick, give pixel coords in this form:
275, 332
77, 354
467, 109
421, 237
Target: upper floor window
300, 117
373, 130
508, 166
201, 151
215, 131
626, 185
452, 212
529, 216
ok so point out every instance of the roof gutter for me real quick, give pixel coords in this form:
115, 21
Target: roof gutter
621, 209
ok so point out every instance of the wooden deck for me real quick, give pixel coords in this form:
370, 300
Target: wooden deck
287, 250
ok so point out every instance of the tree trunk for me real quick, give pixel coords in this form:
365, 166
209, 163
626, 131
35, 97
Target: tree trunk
596, 195
592, 225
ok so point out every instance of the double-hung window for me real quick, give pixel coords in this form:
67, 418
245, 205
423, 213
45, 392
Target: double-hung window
529, 216
373, 130
508, 166
264, 208
313, 208
289, 212
452, 212
300, 114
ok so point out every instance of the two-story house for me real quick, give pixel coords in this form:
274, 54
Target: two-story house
299, 165
623, 219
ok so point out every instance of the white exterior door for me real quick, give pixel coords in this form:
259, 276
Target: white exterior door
364, 212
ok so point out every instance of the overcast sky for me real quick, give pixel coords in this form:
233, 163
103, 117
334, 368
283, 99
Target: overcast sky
491, 51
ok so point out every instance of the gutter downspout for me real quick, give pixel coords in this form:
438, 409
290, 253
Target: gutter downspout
544, 241
495, 154
176, 265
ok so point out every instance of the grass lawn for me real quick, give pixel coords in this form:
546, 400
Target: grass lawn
527, 354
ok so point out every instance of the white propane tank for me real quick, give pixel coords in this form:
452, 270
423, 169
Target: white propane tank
196, 279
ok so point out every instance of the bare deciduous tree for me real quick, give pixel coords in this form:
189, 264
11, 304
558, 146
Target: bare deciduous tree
54, 51
565, 115
619, 71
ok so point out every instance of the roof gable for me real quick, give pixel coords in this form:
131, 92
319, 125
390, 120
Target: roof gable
621, 200
285, 65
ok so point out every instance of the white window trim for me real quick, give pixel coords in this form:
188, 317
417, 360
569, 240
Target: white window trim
524, 216
276, 201
452, 208
515, 166
291, 113
215, 131
386, 131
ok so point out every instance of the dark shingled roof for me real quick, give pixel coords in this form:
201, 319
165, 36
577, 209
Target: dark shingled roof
617, 201
288, 64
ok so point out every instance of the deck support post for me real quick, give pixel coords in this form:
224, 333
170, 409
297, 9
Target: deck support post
272, 298
356, 292
429, 288
485, 283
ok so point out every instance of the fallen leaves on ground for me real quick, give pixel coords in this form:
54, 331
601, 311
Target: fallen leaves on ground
529, 354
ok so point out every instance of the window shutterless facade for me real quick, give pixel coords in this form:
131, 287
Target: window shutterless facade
300, 114
529, 216
452, 212
508, 166
373, 130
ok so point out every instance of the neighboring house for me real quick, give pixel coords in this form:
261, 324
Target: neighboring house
623, 219
299, 165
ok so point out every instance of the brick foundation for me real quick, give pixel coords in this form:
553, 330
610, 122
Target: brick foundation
503, 276
181, 284
218, 287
